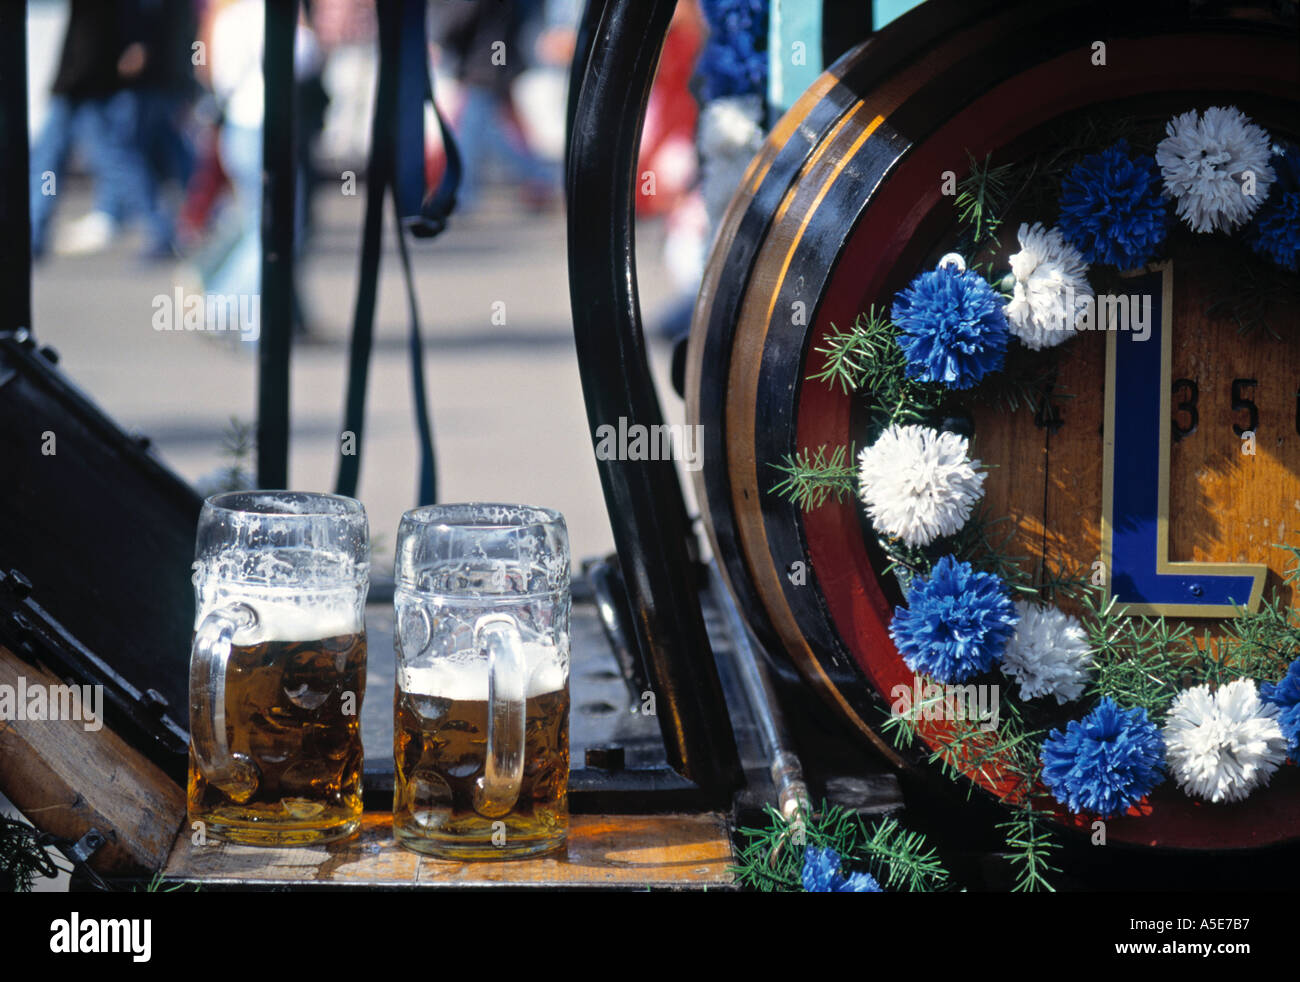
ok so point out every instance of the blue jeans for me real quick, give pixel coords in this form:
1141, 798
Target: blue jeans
163, 141
106, 130
482, 136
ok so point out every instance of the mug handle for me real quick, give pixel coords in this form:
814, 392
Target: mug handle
235, 774
496, 792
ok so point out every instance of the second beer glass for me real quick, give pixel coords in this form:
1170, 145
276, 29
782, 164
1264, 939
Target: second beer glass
481, 707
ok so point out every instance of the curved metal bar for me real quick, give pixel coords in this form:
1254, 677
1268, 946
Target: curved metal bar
582, 43
644, 497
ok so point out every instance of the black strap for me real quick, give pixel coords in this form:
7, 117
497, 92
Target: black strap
397, 164
428, 492
423, 213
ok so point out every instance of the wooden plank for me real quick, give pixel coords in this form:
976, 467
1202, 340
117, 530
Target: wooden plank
1224, 505
1076, 461
66, 779
1014, 450
612, 851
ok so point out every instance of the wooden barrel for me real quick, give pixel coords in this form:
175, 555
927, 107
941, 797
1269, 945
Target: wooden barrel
846, 204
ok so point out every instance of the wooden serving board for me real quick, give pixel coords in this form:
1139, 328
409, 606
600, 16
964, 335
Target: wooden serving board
67, 779
672, 852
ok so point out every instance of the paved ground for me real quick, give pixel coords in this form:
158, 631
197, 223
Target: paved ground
508, 412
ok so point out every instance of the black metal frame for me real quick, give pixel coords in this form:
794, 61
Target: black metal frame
15, 213
614, 66
278, 192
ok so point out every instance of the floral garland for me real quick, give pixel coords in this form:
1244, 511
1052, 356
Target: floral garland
920, 486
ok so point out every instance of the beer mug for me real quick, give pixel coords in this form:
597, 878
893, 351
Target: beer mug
481, 703
278, 667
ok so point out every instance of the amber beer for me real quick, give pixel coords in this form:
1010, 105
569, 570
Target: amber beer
439, 744
293, 722
292, 711
278, 668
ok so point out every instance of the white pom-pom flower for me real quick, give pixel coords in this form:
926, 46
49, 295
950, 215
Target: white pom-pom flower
730, 133
1216, 167
1051, 287
1221, 746
1049, 654
919, 483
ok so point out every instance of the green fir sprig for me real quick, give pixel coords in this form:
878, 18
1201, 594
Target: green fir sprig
1029, 849
812, 476
22, 857
1007, 755
1145, 662
984, 542
867, 358
238, 444
1137, 661
850, 354
982, 197
1056, 583
1261, 645
771, 858
158, 883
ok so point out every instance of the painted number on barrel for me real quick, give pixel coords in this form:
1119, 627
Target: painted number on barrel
1245, 415
1155, 412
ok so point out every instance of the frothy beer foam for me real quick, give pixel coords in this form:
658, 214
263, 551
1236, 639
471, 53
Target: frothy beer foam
464, 677
288, 614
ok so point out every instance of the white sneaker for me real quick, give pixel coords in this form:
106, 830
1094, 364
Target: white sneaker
90, 233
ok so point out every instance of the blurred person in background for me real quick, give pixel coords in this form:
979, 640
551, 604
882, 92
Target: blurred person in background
484, 40
95, 108
164, 91
231, 264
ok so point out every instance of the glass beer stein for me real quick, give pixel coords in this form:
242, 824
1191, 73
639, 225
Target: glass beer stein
481, 702
278, 667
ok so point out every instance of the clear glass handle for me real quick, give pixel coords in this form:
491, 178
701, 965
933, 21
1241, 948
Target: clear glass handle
497, 790
235, 774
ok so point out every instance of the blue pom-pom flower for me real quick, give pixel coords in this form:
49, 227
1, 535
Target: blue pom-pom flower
734, 59
957, 622
1275, 230
1112, 208
1104, 762
821, 874
952, 327
1286, 696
